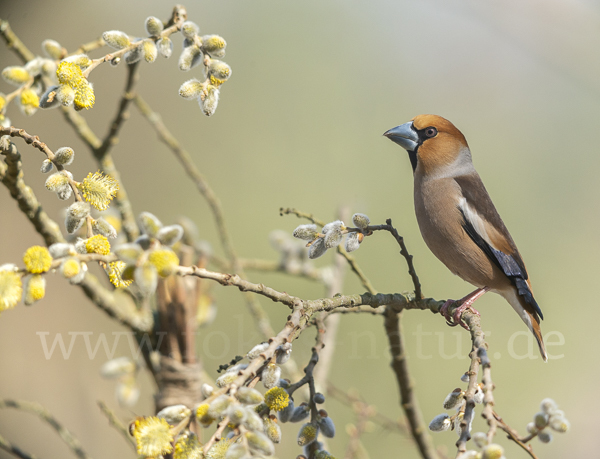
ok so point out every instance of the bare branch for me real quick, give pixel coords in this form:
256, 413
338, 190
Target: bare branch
45, 415
115, 422
15, 450
408, 398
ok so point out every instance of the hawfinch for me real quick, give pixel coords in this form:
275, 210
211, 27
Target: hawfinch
459, 222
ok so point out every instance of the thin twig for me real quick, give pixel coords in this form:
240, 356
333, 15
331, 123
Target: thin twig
15, 450
404, 252
349, 258
408, 398
13, 42
46, 416
348, 399
105, 160
115, 422
514, 436
478, 340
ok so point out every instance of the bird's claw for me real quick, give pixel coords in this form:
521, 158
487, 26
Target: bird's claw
456, 318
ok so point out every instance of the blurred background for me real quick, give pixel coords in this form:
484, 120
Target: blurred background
299, 124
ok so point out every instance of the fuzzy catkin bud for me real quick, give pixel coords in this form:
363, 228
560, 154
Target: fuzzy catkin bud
307, 434
165, 47
190, 57
300, 413
76, 215
545, 436
70, 268
226, 379
169, 235
207, 390
209, 101
353, 241
453, 399
174, 414
440, 423
149, 51
61, 249
191, 89
319, 398
154, 26
306, 232
236, 413
249, 396
559, 424
253, 420
129, 253
219, 70
146, 278
548, 406
257, 350
259, 443
214, 45
34, 289
15, 75
540, 420
492, 451
81, 60
270, 375
272, 429
283, 353
65, 94
49, 99
286, 413
116, 39
79, 277
150, 224
478, 396
104, 228
317, 249
46, 166
53, 49
189, 29
327, 427
64, 156
361, 221
219, 405
133, 55
117, 368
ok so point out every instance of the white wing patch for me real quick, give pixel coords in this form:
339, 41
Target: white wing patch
474, 219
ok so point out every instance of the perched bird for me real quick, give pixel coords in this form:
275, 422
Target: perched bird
459, 222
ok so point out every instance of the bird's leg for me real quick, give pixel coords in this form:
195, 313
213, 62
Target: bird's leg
465, 303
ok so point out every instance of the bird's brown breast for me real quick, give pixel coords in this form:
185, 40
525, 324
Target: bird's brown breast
441, 225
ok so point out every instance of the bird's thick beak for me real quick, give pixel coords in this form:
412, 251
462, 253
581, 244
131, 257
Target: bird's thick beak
404, 135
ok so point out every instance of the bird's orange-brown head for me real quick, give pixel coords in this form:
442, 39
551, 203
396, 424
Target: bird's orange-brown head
431, 141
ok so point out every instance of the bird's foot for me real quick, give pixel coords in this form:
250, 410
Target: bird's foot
444, 312
465, 303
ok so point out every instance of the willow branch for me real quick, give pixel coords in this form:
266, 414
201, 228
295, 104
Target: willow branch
115, 422
11, 175
404, 252
14, 43
408, 398
45, 415
478, 340
514, 436
14, 450
349, 258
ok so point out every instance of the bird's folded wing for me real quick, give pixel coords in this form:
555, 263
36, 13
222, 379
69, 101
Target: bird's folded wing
484, 226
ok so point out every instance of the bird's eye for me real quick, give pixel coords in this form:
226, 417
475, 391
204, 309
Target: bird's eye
431, 132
